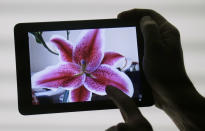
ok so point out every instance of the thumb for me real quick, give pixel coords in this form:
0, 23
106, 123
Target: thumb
127, 106
151, 35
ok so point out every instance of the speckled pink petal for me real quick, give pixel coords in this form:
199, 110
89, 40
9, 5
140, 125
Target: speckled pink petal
110, 58
106, 75
65, 48
63, 75
89, 50
79, 95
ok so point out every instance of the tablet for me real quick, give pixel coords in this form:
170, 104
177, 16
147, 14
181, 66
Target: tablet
66, 66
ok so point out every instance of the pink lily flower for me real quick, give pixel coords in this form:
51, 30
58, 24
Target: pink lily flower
84, 70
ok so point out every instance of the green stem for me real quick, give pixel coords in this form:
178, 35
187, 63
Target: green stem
44, 44
65, 97
68, 33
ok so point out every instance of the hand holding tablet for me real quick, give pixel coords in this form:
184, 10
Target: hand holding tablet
164, 69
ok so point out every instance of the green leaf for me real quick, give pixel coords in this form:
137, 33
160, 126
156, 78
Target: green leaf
38, 40
37, 37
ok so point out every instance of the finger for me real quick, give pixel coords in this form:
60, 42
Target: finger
152, 38
119, 127
126, 105
131, 127
137, 14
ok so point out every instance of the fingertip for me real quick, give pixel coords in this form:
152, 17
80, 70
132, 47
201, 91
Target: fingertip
120, 15
145, 20
147, 24
126, 14
115, 94
109, 90
122, 127
119, 127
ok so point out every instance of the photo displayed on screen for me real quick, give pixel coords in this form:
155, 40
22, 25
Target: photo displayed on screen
77, 65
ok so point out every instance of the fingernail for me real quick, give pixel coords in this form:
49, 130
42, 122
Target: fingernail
145, 18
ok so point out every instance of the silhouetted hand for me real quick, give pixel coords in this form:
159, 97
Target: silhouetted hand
134, 121
164, 70
163, 59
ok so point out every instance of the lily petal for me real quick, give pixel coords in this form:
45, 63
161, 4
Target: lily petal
106, 75
89, 50
110, 58
65, 48
64, 75
79, 95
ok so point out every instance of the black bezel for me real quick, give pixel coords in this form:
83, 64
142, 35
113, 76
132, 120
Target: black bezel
23, 66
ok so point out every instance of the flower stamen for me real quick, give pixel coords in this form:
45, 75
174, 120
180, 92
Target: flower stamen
83, 65
79, 74
90, 75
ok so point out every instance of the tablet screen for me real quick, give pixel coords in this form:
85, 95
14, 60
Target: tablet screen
77, 65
